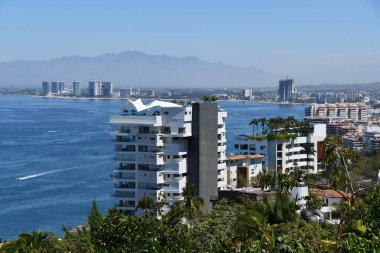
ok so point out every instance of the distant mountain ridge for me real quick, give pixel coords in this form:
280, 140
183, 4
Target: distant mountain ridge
136, 69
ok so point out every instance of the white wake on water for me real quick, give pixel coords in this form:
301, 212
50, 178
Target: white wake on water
36, 175
48, 172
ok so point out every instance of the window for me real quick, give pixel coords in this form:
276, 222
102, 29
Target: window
262, 147
166, 113
143, 148
143, 130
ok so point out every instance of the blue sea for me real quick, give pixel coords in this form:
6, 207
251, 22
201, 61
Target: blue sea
61, 152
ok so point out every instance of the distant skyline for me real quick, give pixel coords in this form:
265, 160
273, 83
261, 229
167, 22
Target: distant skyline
311, 41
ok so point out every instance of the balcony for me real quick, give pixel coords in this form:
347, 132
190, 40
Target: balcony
121, 133
136, 120
154, 139
124, 167
123, 176
149, 158
124, 158
122, 139
174, 186
130, 205
175, 167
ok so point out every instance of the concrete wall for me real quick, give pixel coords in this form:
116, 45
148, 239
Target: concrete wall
203, 151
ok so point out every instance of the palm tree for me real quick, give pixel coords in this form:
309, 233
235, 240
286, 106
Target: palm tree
145, 203
253, 123
263, 125
33, 242
213, 98
206, 99
308, 149
193, 203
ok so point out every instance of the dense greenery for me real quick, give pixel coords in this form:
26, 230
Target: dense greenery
246, 226
230, 227
281, 129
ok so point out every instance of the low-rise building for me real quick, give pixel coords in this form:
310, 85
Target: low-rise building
241, 169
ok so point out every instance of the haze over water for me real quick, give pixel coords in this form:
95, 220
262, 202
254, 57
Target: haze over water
60, 150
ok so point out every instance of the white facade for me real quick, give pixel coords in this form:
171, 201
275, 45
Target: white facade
151, 148
356, 112
283, 155
247, 93
371, 138
244, 166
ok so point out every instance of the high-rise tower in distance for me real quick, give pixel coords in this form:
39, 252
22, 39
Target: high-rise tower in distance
76, 89
285, 90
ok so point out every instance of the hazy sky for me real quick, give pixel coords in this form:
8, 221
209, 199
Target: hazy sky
312, 41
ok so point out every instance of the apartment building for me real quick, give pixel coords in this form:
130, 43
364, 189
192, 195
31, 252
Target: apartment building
371, 138
356, 112
161, 146
284, 155
352, 141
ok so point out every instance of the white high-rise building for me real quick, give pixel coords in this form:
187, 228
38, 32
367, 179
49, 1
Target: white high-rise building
247, 93
161, 146
94, 88
284, 155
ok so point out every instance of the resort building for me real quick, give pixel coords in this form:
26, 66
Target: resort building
356, 112
161, 146
284, 155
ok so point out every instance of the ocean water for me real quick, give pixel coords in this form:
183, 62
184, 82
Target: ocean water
60, 150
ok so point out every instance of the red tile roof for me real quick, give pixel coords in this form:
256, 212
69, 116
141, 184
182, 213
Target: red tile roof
323, 194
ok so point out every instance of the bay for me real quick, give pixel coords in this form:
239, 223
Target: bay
61, 152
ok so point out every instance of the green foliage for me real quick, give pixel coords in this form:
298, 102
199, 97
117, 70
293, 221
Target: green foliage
257, 137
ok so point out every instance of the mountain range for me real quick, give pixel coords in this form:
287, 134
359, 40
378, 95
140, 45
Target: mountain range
135, 69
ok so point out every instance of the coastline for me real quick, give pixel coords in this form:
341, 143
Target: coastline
164, 99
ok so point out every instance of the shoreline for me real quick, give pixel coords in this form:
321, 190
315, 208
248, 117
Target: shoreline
164, 99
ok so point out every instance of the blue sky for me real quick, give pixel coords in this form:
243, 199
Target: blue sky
312, 41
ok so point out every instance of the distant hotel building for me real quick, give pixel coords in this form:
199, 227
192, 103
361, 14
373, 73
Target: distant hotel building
46, 88
356, 112
285, 90
126, 92
247, 93
54, 87
98, 88
76, 89
161, 146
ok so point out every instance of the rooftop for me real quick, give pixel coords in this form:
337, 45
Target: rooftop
139, 105
242, 157
323, 194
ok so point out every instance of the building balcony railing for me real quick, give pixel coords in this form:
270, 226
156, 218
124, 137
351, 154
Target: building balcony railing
125, 139
125, 205
136, 120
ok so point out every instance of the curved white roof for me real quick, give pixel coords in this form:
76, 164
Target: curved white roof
139, 106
